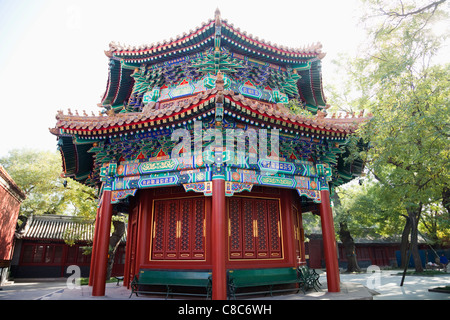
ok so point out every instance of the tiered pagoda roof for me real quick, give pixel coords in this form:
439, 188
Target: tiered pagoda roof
154, 89
247, 51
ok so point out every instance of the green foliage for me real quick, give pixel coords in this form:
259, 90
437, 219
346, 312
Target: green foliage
38, 174
411, 125
296, 107
435, 224
311, 223
410, 129
369, 209
397, 78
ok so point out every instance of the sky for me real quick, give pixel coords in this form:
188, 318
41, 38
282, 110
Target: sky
52, 52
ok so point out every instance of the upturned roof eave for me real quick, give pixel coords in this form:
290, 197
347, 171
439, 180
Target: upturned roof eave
258, 111
181, 42
204, 34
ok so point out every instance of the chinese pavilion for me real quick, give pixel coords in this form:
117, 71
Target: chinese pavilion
218, 141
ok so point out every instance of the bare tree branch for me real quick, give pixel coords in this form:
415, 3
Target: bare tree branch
433, 5
400, 16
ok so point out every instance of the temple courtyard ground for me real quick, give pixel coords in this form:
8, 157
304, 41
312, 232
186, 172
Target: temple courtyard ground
382, 285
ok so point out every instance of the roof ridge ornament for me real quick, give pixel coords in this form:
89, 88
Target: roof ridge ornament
217, 15
218, 31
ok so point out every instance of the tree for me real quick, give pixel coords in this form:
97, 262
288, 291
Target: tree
435, 225
119, 226
38, 174
409, 98
345, 235
366, 210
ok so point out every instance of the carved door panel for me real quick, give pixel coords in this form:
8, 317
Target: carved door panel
198, 224
171, 230
178, 229
235, 228
274, 228
296, 220
159, 232
184, 229
248, 228
133, 242
254, 228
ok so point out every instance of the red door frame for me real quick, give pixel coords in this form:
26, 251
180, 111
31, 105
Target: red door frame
145, 201
144, 204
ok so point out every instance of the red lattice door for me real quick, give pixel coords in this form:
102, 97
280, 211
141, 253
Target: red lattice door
254, 228
179, 229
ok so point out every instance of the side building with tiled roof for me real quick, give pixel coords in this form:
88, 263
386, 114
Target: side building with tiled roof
47, 244
10, 199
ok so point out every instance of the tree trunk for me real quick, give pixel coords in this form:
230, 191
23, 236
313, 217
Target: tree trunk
414, 215
404, 246
349, 247
114, 241
446, 199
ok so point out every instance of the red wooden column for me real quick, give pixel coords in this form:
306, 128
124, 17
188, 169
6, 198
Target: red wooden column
129, 244
329, 243
288, 215
102, 245
94, 247
126, 267
302, 238
218, 241
143, 230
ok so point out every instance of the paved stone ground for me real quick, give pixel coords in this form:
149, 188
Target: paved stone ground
387, 285
31, 290
384, 285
